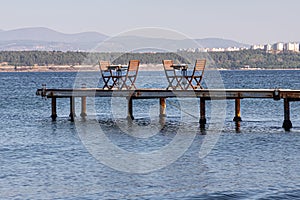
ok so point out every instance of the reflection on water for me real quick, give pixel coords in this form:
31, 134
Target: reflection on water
41, 159
238, 126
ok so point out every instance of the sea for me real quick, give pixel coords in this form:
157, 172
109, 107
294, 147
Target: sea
107, 156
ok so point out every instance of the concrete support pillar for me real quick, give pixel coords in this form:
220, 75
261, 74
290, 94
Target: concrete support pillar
287, 124
237, 117
202, 113
53, 106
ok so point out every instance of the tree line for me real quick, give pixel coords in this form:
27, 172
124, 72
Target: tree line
256, 59
227, 60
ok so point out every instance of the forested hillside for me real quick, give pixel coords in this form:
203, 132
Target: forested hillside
227, 60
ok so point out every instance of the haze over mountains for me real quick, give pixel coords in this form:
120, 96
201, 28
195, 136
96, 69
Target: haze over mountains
39, 38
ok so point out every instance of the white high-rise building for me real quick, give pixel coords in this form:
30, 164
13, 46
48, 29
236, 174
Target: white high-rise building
268, 47
278, 46
292, 46
257, 46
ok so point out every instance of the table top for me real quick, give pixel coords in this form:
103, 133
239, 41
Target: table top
117, 67
180, 66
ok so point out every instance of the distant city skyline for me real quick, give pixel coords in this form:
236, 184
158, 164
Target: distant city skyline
250, 22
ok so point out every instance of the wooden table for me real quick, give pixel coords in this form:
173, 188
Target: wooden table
180, 66
181, 79
117, 78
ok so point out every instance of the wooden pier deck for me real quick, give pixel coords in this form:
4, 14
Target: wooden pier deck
162, 94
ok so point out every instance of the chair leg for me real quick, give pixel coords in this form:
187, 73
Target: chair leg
132, 80
105, 81
170, 82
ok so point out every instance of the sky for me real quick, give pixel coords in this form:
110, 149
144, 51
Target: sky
246, 21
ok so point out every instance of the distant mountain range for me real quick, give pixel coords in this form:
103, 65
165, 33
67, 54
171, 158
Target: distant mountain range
39, 38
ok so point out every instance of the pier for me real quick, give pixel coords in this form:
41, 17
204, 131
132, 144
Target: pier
162, 94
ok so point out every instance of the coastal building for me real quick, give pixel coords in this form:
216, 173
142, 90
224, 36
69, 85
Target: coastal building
232, 49
268, 47
217, 50
279, 46
257, 46
292, 46
202, 50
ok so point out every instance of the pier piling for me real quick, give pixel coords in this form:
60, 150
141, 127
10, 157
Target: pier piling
53, 107
130, 110
162, 106
83, 107
202, 120
237, 117
83, 104
287, 124
72, 108
162, 94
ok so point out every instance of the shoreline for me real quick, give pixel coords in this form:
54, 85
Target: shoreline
67, 68
89, 68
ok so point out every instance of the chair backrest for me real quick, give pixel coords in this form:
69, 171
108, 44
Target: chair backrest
104, 65
200, 65
133, 65
167, 64
131, 74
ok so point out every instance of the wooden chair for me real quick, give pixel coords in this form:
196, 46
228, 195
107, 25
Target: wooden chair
194, 80
131, 75
170, 74
105, 73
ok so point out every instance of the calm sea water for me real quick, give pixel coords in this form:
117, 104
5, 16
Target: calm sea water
41, 159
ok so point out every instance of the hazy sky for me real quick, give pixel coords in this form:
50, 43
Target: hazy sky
248, 21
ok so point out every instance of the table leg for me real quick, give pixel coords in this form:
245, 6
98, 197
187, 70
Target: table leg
184, 81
